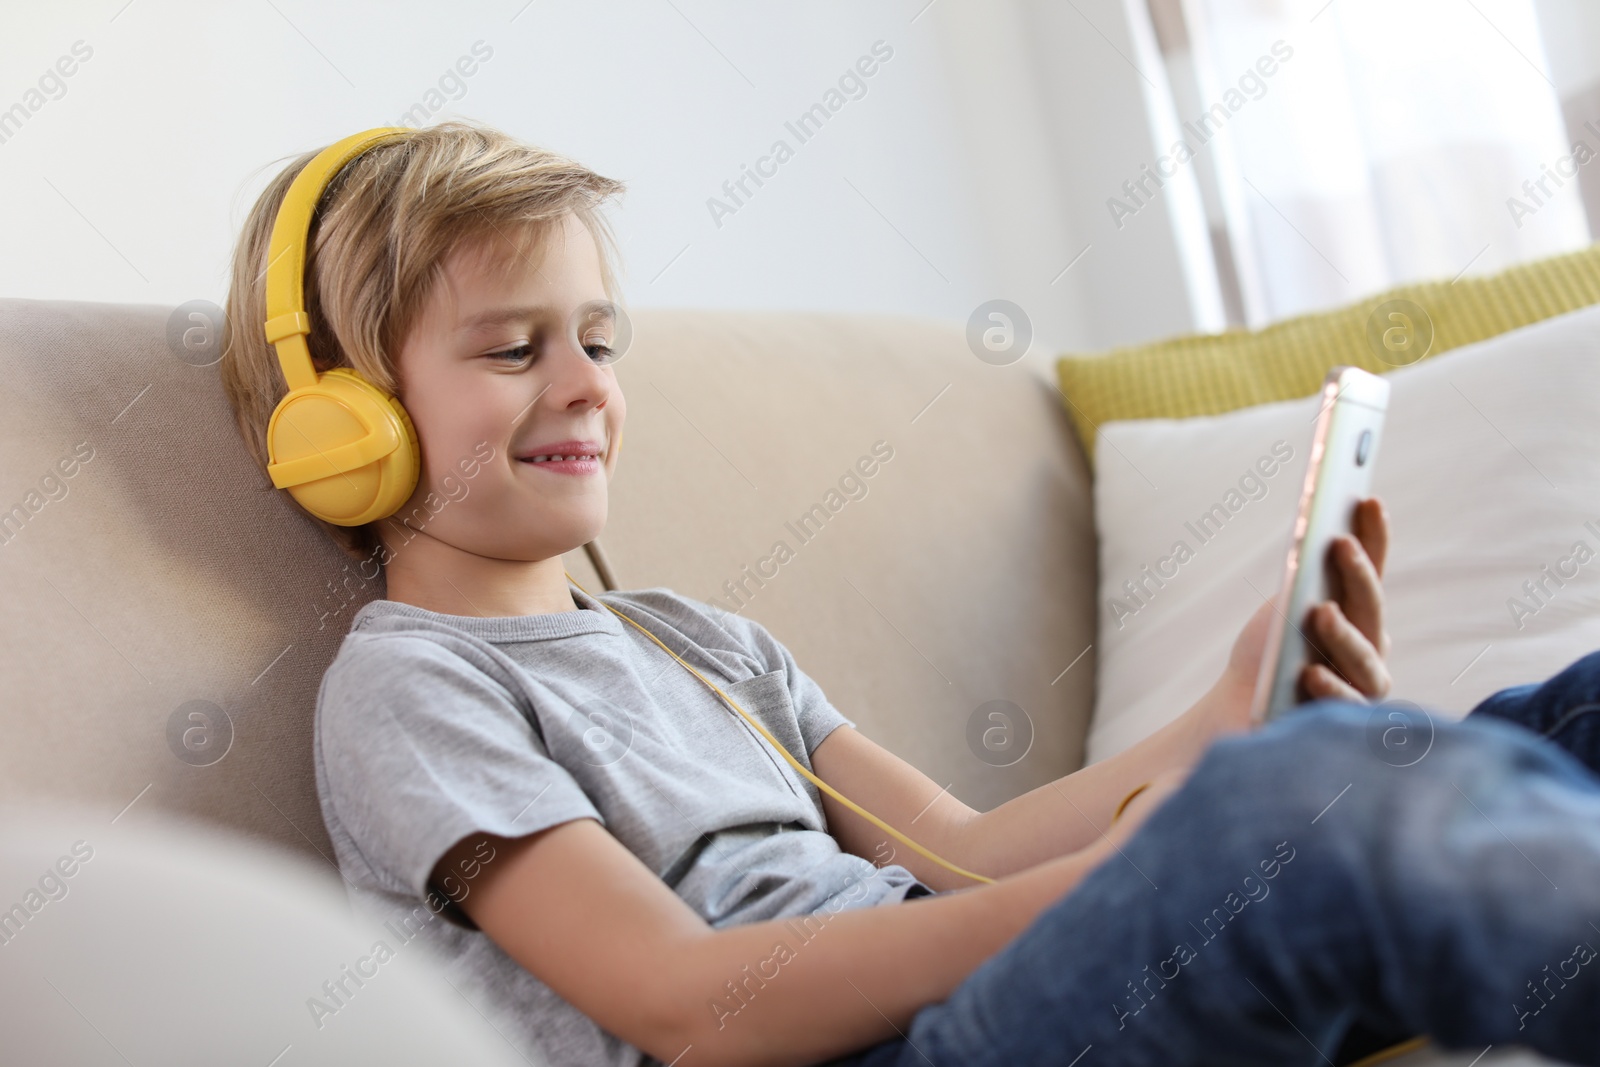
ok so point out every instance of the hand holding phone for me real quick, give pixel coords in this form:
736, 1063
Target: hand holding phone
1333, 503
1348, 627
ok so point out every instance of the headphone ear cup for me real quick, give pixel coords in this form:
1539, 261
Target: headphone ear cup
344, 449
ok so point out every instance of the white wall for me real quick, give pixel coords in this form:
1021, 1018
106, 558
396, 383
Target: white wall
975, 166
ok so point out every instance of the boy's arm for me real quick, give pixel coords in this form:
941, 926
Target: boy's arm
1073, 812
575, 908
1054, 820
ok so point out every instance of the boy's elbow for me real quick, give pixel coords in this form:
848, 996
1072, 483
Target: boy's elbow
679, 1041
650, 1016
697, 1046
689, 1023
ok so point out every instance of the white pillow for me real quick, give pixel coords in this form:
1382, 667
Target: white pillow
1490, 470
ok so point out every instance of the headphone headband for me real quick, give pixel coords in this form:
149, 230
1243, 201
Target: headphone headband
287, 322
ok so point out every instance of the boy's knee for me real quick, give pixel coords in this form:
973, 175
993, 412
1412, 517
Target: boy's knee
1359, 737
1318, 735
1351, 788
1296, 767
1271, 776
1380, 750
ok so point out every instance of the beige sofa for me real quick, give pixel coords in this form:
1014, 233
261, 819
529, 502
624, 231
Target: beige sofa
152, 574
168, 571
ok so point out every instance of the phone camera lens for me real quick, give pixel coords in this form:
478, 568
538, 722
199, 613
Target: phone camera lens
1363, 448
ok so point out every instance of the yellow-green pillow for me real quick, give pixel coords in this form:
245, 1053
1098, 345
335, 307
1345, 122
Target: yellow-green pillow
1207, 374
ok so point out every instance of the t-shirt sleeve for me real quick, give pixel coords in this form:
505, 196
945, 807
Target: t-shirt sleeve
422, 748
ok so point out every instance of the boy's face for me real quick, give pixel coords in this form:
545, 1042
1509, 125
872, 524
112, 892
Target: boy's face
519, 386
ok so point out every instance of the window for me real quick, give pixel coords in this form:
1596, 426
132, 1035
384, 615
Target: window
1346, 146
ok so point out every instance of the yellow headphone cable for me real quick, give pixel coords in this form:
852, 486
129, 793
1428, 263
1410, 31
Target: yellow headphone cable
818, 782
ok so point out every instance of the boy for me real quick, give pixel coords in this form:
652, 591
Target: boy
620, 871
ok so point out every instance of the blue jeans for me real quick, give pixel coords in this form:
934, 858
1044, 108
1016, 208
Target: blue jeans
1345, 868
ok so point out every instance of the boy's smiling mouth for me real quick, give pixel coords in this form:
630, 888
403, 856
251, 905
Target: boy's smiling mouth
565, 457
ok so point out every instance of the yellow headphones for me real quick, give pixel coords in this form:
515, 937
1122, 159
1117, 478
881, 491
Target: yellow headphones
343, 448
346, 450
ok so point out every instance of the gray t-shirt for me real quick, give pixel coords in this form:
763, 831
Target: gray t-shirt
431, 727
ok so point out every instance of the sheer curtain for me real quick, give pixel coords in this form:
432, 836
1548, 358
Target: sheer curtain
1393, 141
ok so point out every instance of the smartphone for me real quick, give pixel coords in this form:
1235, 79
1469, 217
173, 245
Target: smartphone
1344, 447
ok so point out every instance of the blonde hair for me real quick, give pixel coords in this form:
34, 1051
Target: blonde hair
382, 231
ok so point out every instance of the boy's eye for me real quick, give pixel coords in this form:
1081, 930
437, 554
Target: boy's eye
512, 355
599, 352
